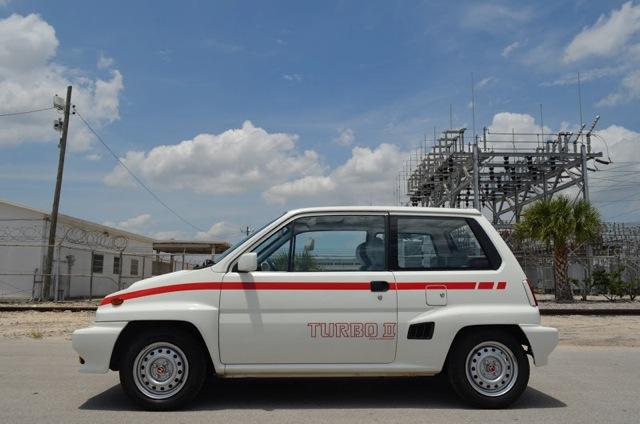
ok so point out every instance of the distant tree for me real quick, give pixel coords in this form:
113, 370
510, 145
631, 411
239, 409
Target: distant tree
633, 288
305, 262
281, 262
559, 223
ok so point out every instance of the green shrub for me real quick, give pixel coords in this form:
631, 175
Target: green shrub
633, 288
610, 284
586, 286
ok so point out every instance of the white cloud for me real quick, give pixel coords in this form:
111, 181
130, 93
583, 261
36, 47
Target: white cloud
169, 235
494, 17
29, 77
165, 54
345, 137
506, 52
508, 122
223, 46
607, 37
105, 62
629, 90
588, 75
365, 178
134, 224
93, 157
614, 189
485, 82
235, 161
220, 231
292, 77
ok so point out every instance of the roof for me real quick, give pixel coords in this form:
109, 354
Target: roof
71, 219
190, 247
397, 209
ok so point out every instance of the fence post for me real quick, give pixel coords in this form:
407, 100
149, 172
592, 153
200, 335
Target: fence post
56, 295
91, 278
120, 273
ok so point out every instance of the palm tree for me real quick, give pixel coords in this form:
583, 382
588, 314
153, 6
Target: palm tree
560, 223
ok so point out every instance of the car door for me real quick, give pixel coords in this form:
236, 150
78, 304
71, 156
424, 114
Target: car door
322, 295
439, 262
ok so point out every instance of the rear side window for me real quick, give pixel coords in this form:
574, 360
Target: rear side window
436, 243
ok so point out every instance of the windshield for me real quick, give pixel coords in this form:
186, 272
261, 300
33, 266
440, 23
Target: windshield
238, 243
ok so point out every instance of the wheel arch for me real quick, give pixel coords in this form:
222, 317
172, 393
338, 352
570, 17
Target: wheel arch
511, 329
136, 327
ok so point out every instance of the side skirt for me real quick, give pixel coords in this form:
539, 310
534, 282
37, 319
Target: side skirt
326, 370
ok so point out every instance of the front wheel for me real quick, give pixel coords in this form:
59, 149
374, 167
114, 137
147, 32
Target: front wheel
489, 369
162, 370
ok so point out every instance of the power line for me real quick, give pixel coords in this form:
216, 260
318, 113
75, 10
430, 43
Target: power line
134, 176
24, 112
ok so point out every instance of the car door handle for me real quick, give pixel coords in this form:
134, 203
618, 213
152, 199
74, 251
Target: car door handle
379, 286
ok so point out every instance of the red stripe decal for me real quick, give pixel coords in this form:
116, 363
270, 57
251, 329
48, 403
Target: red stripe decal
296, 285
431, 285
163, 289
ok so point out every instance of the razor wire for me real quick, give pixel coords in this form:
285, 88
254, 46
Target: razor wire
33, 232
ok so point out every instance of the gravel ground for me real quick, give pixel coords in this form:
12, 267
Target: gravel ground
575, 330
38, 325
546, 301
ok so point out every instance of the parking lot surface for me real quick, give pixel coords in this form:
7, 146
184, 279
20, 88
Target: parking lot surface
40, 383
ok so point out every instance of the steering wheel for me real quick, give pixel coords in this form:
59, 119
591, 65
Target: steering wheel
269, 263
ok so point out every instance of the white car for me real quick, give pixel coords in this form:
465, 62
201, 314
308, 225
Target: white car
342, 291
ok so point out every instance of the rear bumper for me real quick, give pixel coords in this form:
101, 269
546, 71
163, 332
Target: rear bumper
542, 341
95, 345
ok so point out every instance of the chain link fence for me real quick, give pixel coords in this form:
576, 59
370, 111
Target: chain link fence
89, 260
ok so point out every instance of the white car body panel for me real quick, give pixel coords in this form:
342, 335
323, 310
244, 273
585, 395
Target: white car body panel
253, 325
95, 345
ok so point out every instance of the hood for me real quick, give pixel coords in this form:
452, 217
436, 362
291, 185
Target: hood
177, 277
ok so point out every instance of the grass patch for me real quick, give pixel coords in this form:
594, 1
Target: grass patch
35, 334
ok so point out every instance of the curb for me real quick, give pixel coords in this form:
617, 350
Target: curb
567, 311
602, 311
21, 308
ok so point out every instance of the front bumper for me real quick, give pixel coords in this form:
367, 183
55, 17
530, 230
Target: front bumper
95, 345
542, 341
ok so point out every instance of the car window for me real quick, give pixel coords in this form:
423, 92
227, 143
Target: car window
437, 244
273, 253
339, 243
239, 243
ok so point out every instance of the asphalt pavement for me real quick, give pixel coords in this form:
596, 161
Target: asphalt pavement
40, 383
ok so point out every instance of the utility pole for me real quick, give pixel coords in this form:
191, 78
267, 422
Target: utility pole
56, 200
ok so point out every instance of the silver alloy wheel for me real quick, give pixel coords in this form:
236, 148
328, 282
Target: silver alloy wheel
160, 370
492, 369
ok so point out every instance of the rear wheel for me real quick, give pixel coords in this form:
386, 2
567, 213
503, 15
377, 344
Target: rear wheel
161, 370
488, 369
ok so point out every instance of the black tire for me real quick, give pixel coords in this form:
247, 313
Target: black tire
152, 342
472, 386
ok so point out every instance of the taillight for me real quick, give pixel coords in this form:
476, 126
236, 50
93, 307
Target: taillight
529, 291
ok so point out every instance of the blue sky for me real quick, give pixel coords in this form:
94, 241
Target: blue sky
337, 93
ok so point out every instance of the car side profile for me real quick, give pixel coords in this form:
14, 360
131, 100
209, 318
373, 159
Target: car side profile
340, 291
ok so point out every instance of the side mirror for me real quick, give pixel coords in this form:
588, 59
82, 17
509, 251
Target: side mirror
248, 262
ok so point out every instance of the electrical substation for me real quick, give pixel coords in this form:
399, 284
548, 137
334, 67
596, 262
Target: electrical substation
501, 173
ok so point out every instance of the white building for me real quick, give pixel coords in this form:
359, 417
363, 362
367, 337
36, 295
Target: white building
89, 258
